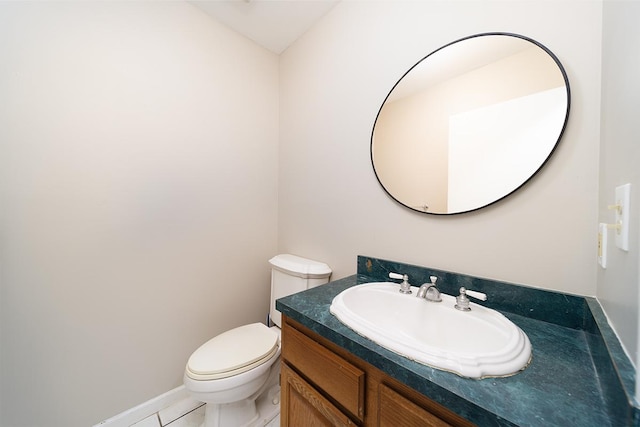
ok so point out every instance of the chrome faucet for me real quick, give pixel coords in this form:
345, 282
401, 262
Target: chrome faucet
429, 291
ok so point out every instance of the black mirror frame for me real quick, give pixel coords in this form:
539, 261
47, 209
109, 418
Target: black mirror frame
564, 125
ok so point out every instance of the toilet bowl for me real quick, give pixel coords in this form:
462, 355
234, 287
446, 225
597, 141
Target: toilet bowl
230, 371
237, 372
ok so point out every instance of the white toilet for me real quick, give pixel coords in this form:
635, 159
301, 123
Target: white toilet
237, 372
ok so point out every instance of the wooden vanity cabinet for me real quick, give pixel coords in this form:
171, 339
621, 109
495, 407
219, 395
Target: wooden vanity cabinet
324, 385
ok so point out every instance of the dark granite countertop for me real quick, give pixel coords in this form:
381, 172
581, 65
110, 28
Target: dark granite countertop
561, 386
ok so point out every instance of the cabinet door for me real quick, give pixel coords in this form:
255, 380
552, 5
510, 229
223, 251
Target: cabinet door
337, 378
396, 410
302, 405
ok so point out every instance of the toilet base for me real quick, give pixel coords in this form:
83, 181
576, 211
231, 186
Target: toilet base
247, 413
260, 411
241, 413
268, 406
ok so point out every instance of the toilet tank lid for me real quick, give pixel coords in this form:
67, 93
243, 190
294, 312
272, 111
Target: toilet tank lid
301, 267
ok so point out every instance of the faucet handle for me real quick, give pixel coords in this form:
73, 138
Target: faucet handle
405, 287
462, 300
477, 295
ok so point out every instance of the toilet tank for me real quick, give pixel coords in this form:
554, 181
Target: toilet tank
291, 274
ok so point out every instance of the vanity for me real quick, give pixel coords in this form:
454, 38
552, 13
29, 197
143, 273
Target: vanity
578, 375
323, 384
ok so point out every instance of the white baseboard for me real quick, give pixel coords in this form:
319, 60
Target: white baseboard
171, 405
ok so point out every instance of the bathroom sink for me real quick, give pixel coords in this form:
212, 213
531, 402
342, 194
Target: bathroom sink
478, 343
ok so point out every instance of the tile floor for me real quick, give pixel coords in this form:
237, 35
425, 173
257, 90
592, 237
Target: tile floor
194, 418
186, 413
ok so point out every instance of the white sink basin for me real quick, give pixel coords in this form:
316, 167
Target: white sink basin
478, 343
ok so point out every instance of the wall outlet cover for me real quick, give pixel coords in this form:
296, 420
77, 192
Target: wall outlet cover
602, 245
623, 194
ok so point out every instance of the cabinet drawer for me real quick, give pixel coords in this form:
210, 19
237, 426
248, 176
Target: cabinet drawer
340, 380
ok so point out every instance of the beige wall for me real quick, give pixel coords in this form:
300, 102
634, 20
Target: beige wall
620, 157
138, 194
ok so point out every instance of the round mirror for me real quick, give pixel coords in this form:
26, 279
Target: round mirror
470, 123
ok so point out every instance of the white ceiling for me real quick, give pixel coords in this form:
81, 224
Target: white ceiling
274, 24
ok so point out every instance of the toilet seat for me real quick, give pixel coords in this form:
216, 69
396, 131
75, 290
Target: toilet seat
233, 352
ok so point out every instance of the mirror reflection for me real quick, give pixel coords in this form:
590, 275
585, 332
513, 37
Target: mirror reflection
470, 123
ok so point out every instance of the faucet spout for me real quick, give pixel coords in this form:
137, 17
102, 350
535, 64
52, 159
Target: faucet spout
429, 291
